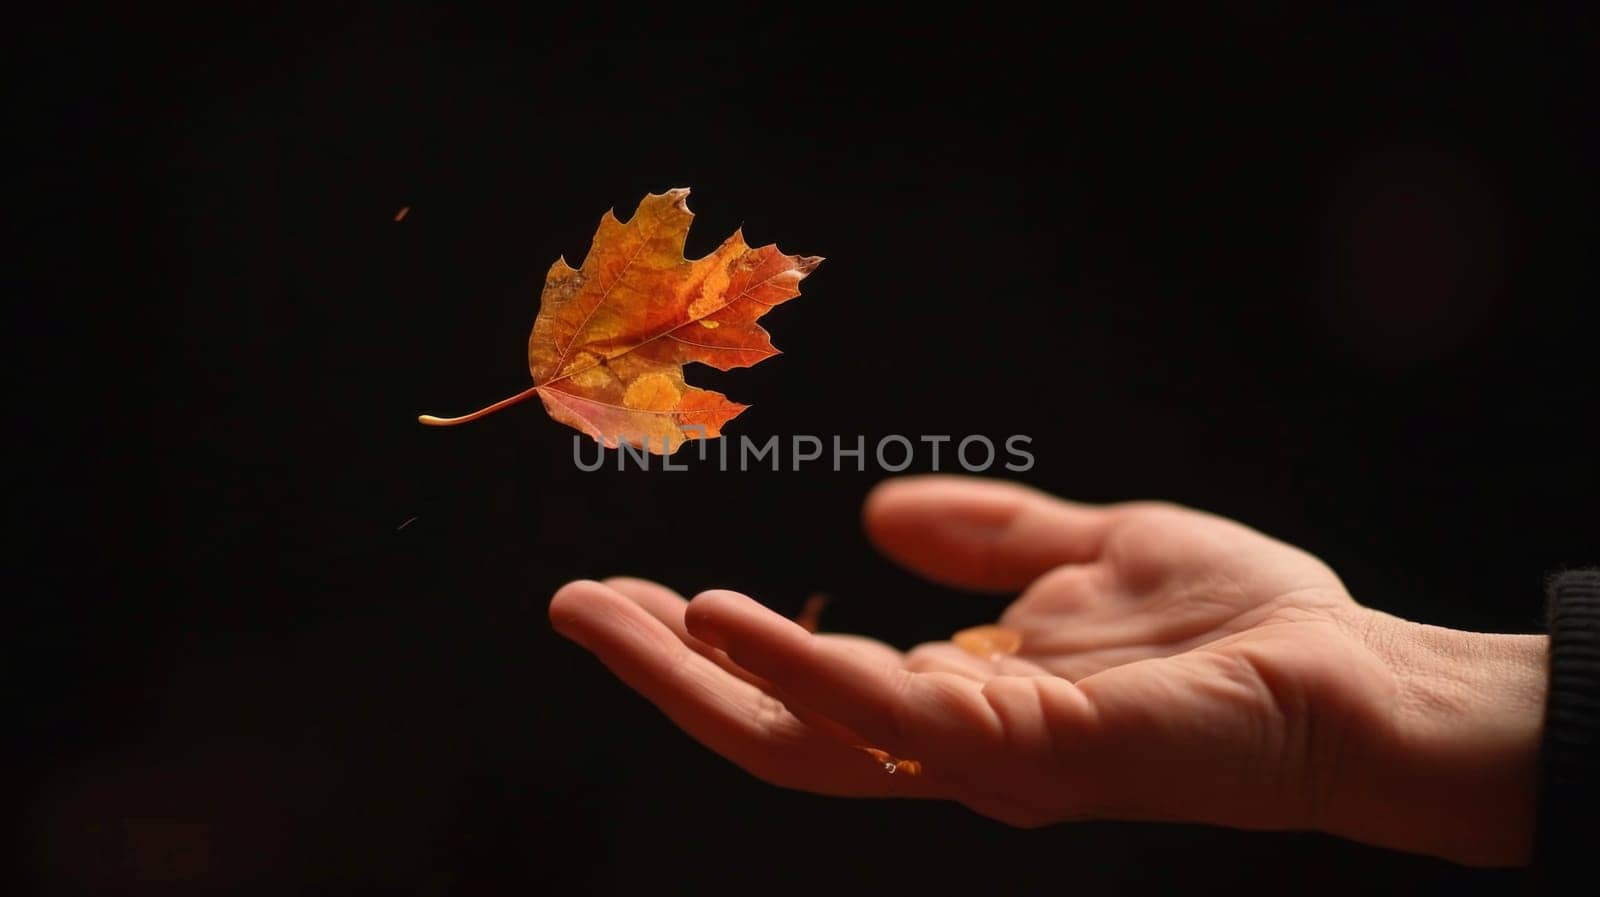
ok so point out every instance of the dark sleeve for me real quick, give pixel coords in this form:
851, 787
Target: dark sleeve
1569, 786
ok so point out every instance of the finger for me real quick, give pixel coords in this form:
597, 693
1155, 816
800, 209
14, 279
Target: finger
918, 715
730, 716
662, 603
944, 657
647, 656
981, 534
668, 606
868, 648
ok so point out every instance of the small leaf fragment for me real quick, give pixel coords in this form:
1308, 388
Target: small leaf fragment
810, 616
988, 642
892, 764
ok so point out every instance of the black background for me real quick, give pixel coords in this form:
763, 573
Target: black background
1328, 275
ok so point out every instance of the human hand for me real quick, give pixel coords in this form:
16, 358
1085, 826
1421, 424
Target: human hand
1174, 666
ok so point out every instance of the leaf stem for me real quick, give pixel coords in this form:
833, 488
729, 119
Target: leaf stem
432, 421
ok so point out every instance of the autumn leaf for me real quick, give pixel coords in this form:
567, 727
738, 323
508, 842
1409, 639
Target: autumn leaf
988, 642
810, 616
612, 336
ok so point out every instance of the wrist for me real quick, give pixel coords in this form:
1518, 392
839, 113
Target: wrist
1451, 765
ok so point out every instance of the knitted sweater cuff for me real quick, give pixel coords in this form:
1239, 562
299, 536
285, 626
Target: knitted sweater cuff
1569, 789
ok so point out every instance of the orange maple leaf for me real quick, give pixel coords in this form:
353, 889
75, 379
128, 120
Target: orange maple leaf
988, 642
612, 336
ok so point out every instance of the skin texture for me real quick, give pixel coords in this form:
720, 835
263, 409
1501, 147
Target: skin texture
1174, 666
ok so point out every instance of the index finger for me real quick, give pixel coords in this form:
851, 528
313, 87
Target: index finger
918, 715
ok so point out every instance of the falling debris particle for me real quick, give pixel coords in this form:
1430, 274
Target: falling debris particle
892, 764
407, 522
988, 642
811, 614
401, 215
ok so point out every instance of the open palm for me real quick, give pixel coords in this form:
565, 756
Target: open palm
1174, 665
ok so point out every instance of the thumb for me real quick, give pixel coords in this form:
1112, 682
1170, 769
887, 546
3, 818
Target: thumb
988, 535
